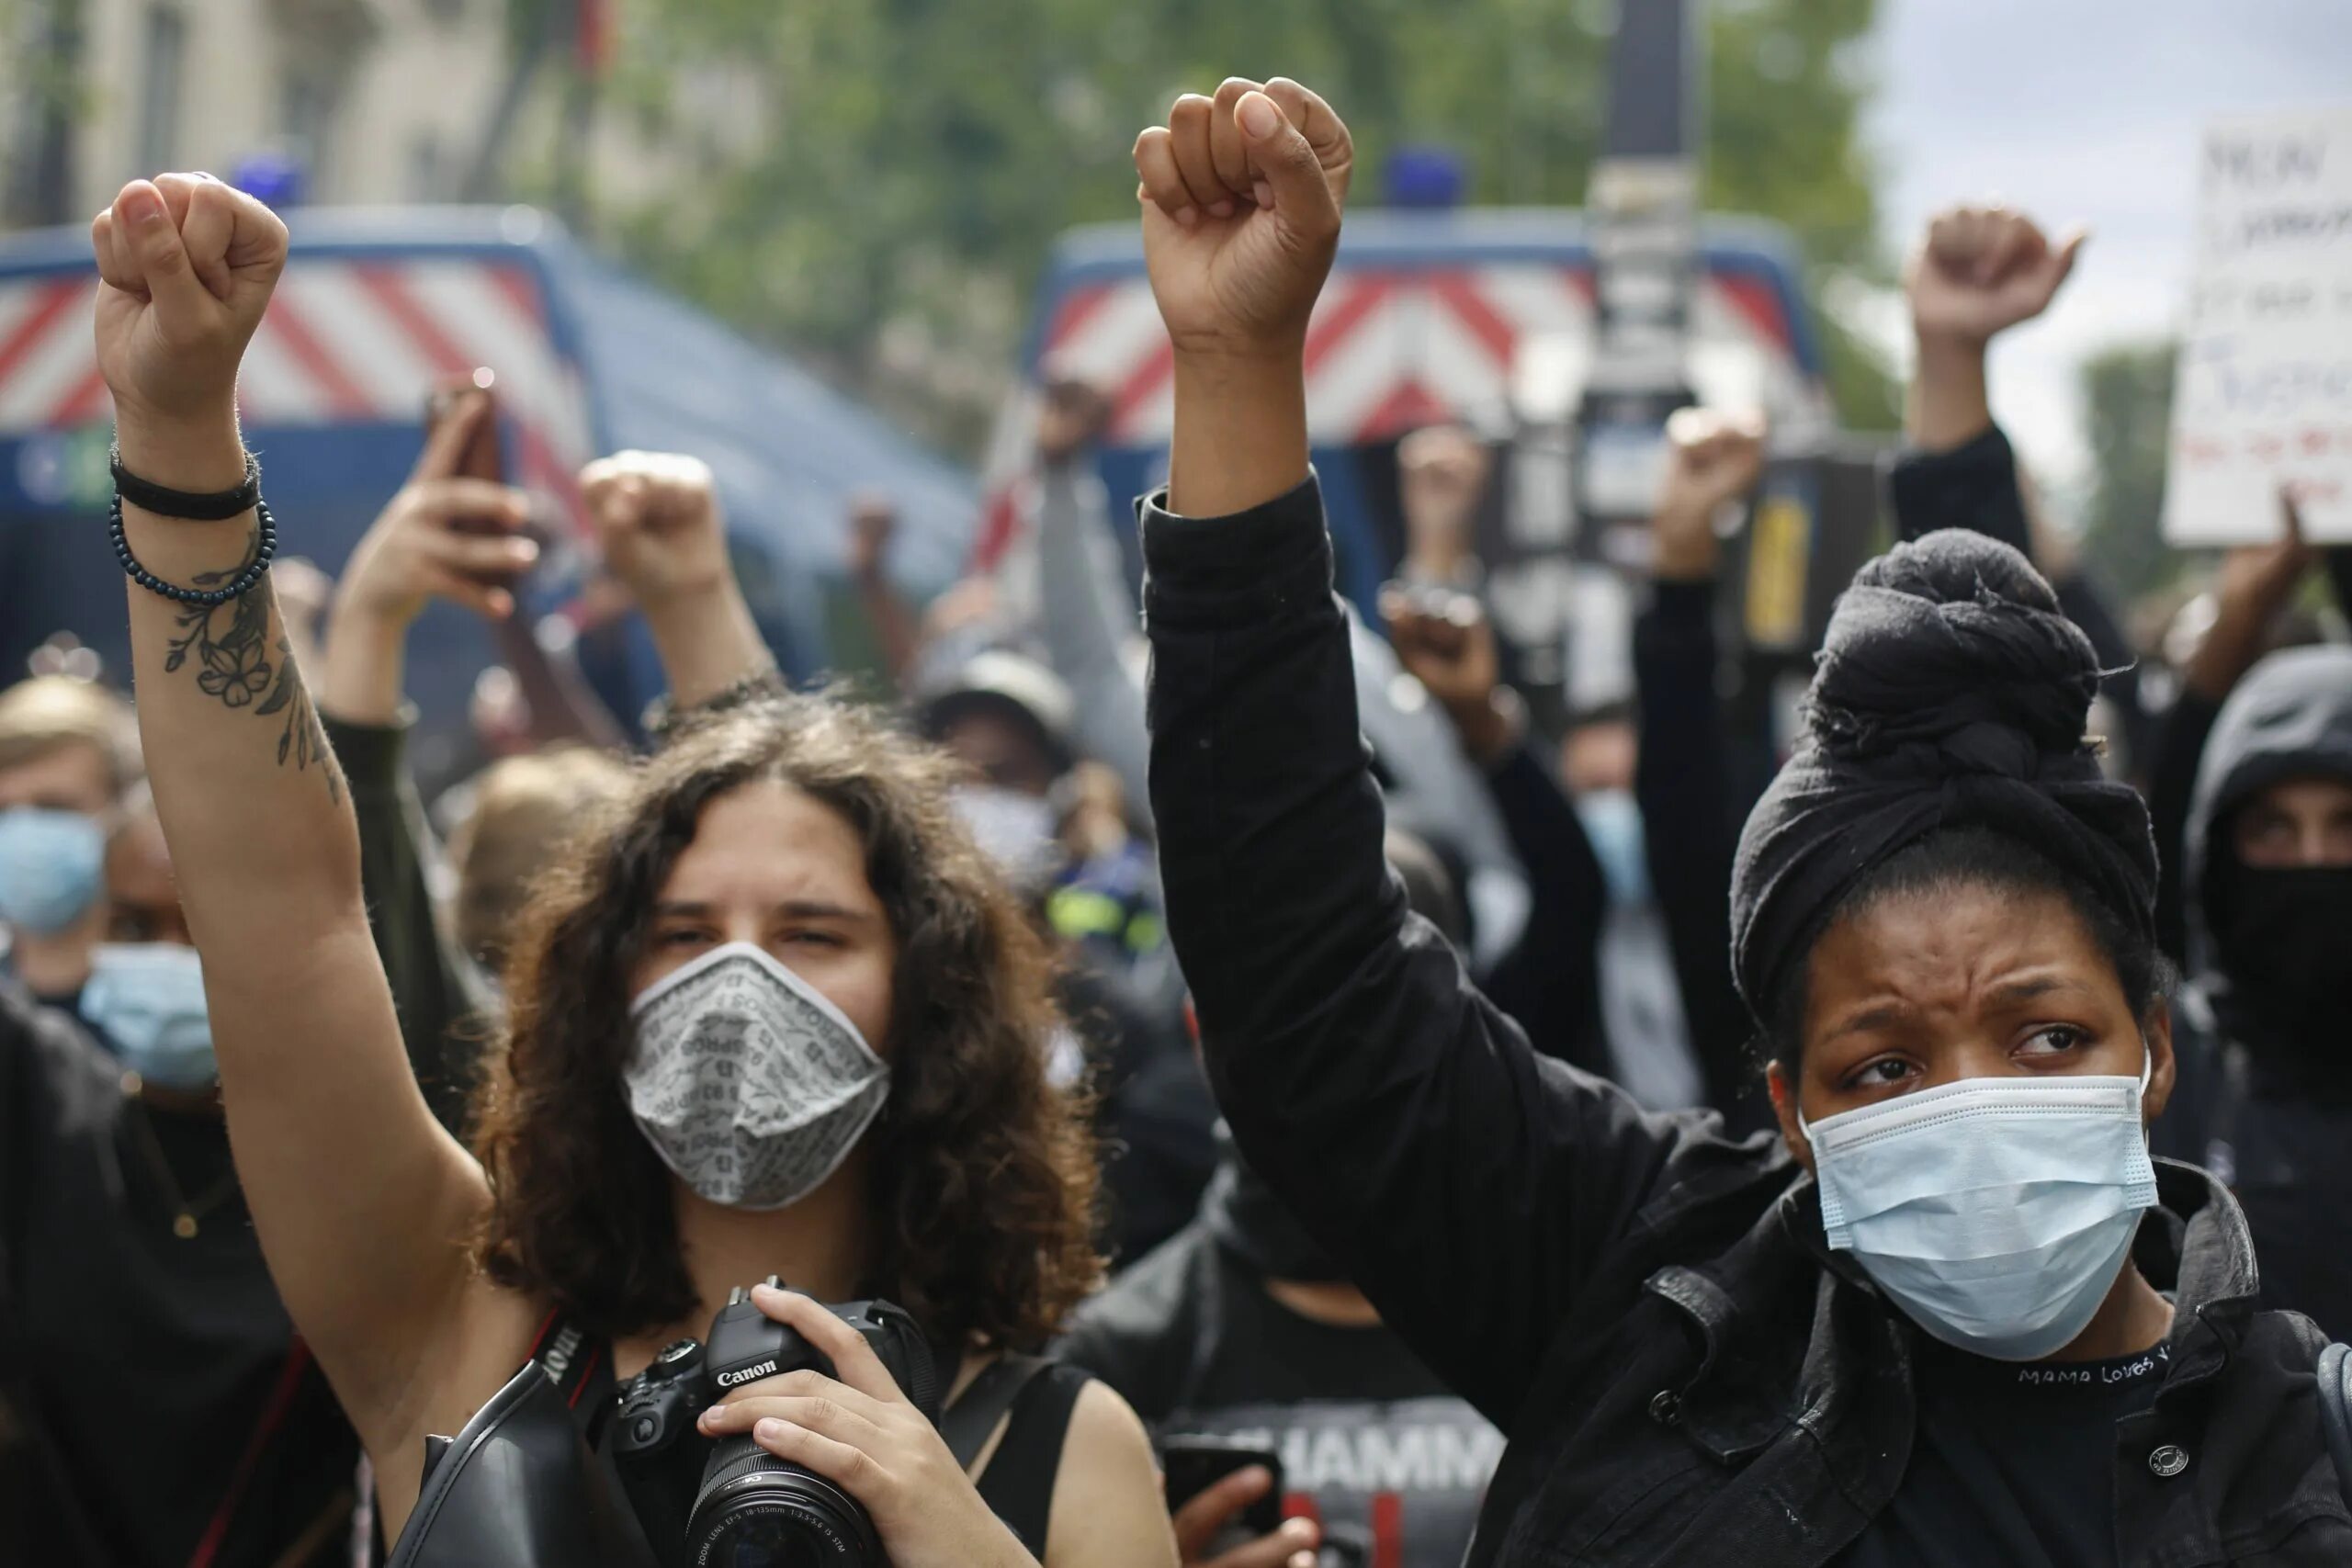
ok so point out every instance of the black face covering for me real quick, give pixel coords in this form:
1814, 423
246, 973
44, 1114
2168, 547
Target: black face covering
1249, 1220
2284, 937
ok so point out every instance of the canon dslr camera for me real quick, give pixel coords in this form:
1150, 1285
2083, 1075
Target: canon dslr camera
752, 1510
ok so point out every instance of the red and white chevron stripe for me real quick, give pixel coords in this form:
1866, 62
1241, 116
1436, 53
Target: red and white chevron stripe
1392, 349
343, 342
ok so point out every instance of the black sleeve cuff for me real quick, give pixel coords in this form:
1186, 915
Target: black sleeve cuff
1236, 569
372, 755
1974, 486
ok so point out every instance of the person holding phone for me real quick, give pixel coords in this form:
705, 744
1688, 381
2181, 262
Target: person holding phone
1298, 1429
1953, 1313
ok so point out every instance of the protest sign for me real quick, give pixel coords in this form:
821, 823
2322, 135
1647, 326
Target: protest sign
2263, 401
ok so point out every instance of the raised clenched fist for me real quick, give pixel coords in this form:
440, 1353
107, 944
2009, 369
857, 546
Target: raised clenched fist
1241, 197
188, 264
1713, 458
656, 515
1982, 269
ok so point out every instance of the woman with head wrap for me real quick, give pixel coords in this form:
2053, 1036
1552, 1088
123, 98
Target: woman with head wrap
1952, 1315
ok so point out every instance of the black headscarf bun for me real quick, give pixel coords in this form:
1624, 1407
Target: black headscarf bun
1952, 691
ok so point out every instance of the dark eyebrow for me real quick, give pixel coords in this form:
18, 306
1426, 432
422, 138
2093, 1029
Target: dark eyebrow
794, 909
2034, 988
818, 910
1878, 1015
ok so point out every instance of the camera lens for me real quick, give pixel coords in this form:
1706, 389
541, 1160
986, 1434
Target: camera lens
755, 1510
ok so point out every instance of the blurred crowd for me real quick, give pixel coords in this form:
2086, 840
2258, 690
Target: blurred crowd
157, 1406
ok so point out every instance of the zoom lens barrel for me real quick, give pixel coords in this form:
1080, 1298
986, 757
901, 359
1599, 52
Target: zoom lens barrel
754, 1510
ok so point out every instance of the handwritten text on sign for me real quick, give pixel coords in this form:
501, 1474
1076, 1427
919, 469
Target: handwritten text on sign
2264, 399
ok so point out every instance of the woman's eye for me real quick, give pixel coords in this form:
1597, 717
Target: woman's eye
1884, 1071
2055, 1040
812, 938
682, 936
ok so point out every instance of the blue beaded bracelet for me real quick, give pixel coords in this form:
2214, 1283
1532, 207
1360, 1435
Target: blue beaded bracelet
206, 598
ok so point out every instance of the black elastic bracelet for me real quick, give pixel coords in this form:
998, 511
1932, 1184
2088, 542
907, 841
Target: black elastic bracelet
193, 506
206, 598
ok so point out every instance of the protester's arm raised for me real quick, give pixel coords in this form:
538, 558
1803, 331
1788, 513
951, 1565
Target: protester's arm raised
1461, 1180
656, 515
360, 1199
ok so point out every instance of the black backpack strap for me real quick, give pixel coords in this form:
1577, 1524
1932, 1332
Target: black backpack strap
2336, 1412
967, 1424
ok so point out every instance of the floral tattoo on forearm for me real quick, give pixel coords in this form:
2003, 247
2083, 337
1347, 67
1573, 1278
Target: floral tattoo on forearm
233, 664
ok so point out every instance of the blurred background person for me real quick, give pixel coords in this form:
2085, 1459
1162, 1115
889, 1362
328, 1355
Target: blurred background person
68, 752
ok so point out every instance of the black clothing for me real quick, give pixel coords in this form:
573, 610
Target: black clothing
148, 1363
1687, 1374
2264, 1096
1372, 1443
1690, 829
446, 1008
1153, 1115
1017, 1483
2004, 1458
2171, 783
1950, 691
1974, 485
1551, 981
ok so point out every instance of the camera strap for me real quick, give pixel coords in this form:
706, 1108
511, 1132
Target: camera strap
581, 1368
967, 1424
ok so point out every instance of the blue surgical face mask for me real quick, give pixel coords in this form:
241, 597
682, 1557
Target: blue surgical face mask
53, 867
1995, 1212
1613, 821
146, 998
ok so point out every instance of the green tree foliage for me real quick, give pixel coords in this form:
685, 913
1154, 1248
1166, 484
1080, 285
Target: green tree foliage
2127, 394
923, 154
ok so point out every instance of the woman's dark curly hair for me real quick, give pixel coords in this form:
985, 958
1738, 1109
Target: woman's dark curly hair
984, 1173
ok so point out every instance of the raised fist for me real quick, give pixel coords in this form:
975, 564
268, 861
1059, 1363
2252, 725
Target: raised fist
1982, 269
1070, 417
657, 516
1441, 474
188, 264
441, 534
1712, 458
1241, 195
1444, 640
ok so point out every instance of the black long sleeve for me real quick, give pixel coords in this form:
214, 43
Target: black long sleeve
436, 988
2172, 788
1691, 833
1974, 485
1551, 981
1404, 1120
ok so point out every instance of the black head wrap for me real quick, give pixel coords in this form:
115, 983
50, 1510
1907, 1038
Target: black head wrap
1951, 692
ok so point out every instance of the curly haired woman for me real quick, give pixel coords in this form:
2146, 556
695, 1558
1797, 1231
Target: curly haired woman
774, 1016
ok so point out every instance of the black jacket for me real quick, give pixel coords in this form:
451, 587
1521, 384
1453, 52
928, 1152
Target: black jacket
2276, 1124
1648, 1309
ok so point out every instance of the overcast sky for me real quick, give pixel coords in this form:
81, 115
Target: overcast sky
2084, 111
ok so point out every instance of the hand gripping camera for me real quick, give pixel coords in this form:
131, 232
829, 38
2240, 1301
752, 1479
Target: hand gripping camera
752, 1510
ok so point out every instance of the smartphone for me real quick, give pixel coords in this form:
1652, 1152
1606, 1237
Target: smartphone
1195, 1464
481, 458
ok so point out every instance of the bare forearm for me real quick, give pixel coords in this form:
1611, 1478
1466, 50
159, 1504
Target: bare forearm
1947, 405
251, 799
707, 642
1240, 436
366, 662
